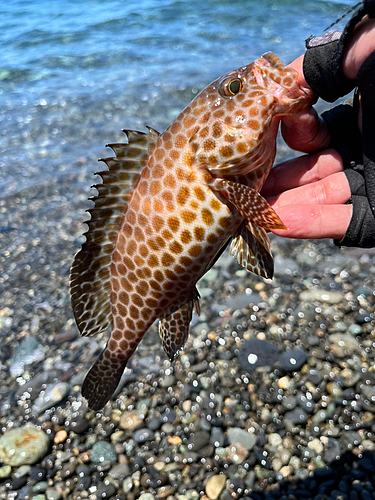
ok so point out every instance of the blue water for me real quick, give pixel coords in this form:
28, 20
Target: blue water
74, 73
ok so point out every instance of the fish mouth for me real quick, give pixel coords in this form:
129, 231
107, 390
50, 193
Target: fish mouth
266, 72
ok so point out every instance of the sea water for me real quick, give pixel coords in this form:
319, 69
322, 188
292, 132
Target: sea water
73, 73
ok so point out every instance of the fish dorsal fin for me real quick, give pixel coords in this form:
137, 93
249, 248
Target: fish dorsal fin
251, 249
90, 272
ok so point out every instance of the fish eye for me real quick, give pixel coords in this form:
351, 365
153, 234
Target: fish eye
230, 87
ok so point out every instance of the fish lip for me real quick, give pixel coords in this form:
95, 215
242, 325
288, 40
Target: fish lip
310, 94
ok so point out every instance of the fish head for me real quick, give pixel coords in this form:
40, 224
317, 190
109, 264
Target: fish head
235, 117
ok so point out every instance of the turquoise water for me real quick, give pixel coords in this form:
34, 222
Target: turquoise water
74, 73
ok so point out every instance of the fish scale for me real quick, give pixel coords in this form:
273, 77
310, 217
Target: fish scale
168, 206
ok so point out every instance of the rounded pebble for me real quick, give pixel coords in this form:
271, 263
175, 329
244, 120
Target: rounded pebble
102, 452
255, 353
215, 486
24, 445
291, 361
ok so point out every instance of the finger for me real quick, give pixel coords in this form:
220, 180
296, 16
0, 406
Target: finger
297, 65
300, 171
314, 221
305, 131
331, 190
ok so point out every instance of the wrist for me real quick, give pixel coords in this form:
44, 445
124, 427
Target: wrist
361, 45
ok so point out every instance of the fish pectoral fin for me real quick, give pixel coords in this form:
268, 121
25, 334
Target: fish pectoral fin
249, 203
102, 379
251, 249
174, 328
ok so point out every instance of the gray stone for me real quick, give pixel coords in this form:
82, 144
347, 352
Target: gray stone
199, 440
344, 341
143, 435
255, 353
53, 395
29, 351
296, 416
102, 452
324, 296
241, 301
246, 439
291, 361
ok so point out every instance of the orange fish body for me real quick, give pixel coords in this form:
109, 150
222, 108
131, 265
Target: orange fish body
168, 206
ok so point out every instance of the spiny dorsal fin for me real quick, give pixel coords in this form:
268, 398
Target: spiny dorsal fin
90, 272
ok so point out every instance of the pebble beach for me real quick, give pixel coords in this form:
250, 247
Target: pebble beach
273, 397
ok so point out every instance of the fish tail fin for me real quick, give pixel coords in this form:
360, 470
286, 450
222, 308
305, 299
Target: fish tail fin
102, 379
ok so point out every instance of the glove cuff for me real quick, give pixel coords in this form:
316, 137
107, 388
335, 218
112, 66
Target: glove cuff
322, 64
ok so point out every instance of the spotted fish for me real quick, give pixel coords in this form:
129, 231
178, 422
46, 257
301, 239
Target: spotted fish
167, 207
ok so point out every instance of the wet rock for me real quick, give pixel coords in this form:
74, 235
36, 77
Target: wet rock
22, 471
199, 440
38, 473
143, 435
296, 416
217, 437
255, 353
79, 425
119, 471
241, 301
5, 471
131, 420
289, 403
102, 452
355, 329
344, 341
332, 451
215, 486
60, 437
285, 266
246, 439
314, 376
29, 351
237, 453
24, 445
52, 396
324, 296
291, 361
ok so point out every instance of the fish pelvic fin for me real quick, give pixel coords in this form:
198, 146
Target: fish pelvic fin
251, 249
249, 203
102, 379
90, 272
174, 328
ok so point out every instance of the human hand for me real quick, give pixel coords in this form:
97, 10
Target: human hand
309, 193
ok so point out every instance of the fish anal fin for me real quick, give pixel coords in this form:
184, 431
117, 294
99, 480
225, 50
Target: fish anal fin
102, 379
174, 328
90, 272
249, 203
251, 249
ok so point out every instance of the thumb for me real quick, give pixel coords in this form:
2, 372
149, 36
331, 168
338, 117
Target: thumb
305, 131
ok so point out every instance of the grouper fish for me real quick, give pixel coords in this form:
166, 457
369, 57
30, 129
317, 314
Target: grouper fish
167, 207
